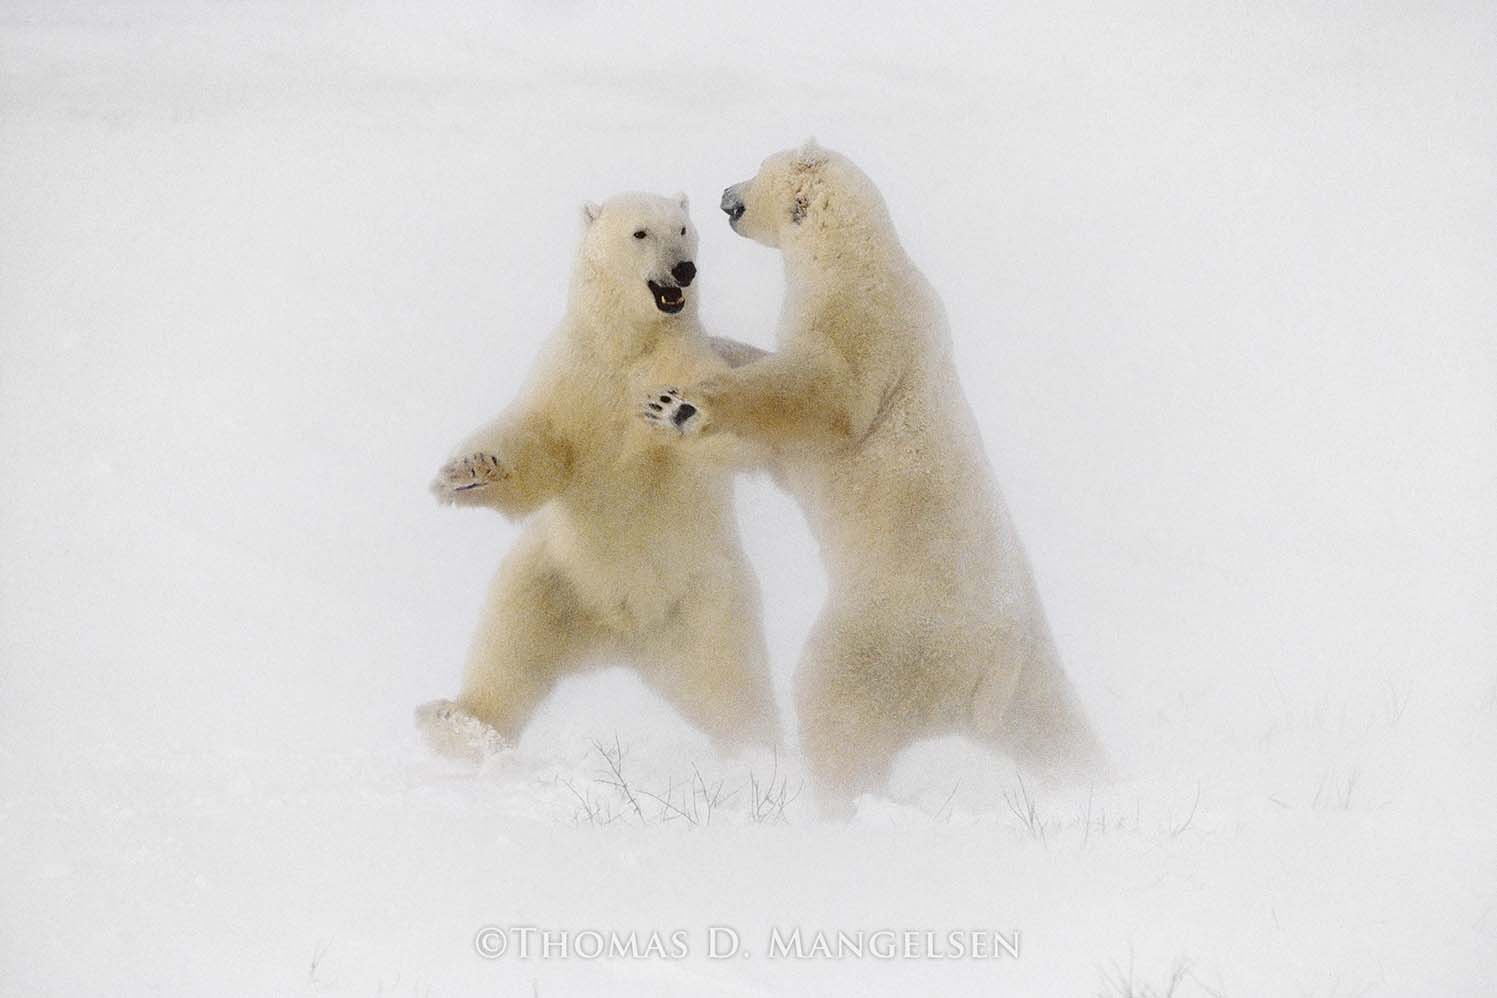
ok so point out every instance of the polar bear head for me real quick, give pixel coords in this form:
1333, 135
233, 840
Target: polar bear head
803, 192
643, 247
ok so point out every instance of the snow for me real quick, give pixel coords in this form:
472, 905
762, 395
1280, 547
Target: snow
1221, 281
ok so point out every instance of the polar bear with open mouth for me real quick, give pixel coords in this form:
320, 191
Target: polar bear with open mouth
632, 552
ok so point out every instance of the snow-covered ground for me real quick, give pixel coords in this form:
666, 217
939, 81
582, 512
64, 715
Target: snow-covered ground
1223, 290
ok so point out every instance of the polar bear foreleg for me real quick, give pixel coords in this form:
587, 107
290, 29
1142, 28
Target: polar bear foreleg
734, 353
513, 465
794, 395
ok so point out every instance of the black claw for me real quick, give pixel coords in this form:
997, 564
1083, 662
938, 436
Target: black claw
666, 399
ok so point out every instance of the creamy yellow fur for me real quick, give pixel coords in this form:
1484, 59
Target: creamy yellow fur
932, 624
633, 553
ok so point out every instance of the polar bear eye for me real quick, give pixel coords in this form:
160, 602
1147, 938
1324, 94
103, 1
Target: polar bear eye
640, 233
683, 230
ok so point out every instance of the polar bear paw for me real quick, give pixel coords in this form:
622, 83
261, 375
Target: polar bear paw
451, 730
468, 479
665, 409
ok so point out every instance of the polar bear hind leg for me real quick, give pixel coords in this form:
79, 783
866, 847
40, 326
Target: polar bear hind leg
862, 696
1032, 715
451, 730
711, 664
532, 632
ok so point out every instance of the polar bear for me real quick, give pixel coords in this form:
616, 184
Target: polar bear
932, 623
633, 552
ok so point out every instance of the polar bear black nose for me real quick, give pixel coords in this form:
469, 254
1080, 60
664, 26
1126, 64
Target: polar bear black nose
732, 203
684, 272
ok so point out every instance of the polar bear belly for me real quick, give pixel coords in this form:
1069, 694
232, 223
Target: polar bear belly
633, 558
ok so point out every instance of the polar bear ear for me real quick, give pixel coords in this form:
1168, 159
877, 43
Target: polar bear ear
590, 212
682, 200
810, 154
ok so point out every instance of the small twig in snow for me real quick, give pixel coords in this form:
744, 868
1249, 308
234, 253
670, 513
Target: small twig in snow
1191, 816
318, 952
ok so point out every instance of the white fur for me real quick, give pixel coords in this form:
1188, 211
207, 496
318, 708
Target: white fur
633, 553
932, 624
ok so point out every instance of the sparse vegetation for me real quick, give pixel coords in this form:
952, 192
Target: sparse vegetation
319, 950
771, 797
1121, 982
1177, 831
1336, 792
1022, 805
695, 800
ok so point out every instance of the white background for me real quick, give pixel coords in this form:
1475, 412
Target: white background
1222, 285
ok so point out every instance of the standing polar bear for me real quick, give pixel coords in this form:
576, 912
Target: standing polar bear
932, 623
634, 553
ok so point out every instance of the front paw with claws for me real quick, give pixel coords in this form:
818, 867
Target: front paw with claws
666, 409
468, 480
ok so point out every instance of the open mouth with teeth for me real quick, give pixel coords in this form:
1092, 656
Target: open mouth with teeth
668, 297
